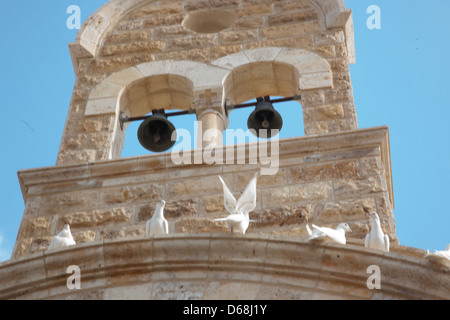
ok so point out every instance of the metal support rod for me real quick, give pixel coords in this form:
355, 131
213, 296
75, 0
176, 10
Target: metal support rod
253, 104
192, 111
172, 114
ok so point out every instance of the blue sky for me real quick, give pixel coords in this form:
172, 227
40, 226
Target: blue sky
400, 79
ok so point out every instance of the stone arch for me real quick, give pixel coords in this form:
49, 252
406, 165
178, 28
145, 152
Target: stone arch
105, 97
270, 70
89, 38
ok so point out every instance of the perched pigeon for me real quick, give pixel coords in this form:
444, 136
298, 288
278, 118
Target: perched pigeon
439, 256
238, 220
376, 239
62, 239
327, 234
157, 225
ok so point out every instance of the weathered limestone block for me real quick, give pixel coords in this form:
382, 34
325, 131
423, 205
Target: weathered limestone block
213, 203
32, 206
313, 98
76, 156
130, 36
303, 41
133, 48
285, 17
248, 23
221, 51
170, 32
160, 9
133, 194
281, 216
348, 188
371, 166
339, 65
326, 51
116, 63
279, 179
83, 236
330, 112
180, 208
198, 55
337, 96
254, 9
238, 37
90, 125
134, 231
68, 202
97, 217
192, 5
339, 211
163, 20
39, 244
195, 187
290, 30
330, 37
296, 193
193, 42
200, 225
283, 6
22, 247
316, 128
321, 172
172, 210
34, 227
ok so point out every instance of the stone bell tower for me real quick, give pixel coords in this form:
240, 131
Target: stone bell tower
135, 56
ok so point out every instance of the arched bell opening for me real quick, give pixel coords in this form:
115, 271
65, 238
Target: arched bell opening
147, 109
290, 112
134, 147
264, 86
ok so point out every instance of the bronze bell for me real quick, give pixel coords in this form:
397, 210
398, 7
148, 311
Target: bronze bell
155, 133
265, 117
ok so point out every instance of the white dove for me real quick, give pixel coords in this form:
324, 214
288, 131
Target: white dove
239, 219
157, 225
439, 256
376, 239
329, 235
62, 239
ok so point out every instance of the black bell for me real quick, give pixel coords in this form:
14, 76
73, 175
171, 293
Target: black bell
155, 133
265, 117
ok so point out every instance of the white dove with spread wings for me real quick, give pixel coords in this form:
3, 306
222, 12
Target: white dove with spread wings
239, 219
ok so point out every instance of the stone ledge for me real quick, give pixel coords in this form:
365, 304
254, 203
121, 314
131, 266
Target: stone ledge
207, 261
311, 148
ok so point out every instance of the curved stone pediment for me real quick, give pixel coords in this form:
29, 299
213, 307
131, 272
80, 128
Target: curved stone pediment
206, 266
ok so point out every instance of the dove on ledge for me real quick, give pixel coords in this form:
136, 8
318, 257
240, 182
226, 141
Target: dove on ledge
376, 239
239, 219
157, 225
62, 239
439, 256
327, 234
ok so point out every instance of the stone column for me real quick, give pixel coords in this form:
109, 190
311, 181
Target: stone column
210, 129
